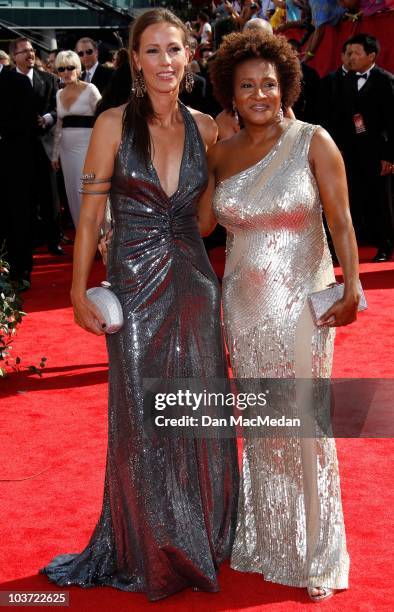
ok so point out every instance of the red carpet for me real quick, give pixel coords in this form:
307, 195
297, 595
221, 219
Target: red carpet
53, 442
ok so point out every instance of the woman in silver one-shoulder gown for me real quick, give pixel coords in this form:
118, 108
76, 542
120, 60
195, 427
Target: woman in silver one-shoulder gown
277, 254
290, 524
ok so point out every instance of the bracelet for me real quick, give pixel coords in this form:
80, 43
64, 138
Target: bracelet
310, 54
82, 191
90, 178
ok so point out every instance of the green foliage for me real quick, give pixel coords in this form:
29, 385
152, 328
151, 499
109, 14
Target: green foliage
11, 315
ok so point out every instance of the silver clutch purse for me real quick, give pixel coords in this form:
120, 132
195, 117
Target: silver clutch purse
321, 301
109, 306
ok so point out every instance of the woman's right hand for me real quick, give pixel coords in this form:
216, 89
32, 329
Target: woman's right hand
87, 316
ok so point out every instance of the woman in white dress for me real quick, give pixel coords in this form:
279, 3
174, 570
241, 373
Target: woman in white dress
76, 104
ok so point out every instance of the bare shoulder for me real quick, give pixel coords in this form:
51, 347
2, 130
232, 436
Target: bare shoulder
321, 139
221, 151
324, 155
322, 145
225, 118
108, 126
113, 114
227, 124
111, 119
206, 125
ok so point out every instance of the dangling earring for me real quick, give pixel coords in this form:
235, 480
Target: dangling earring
280, 115
139, 87
189, 81
235, 113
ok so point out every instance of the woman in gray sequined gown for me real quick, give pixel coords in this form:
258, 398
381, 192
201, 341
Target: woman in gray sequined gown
169, 509
271, 181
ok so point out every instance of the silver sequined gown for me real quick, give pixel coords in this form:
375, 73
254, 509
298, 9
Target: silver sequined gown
169, 509
290, 523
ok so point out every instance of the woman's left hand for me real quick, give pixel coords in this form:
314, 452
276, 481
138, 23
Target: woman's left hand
343, 312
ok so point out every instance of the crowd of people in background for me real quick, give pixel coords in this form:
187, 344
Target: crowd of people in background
309, 15
46, 120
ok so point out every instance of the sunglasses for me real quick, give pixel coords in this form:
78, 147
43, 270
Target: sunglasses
87, 52
64, 68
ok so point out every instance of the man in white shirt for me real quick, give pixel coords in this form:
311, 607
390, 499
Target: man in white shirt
44, 84
24, 58
18, 122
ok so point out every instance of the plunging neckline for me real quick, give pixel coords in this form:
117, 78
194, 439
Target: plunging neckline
68, 108
273, 149
154, 171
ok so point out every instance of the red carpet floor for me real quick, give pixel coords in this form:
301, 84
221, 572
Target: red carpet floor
53, 442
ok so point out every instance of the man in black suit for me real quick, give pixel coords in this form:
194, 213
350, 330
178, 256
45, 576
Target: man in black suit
93, 72
367, 142
44, 192
306, 107
331, 112
17, 126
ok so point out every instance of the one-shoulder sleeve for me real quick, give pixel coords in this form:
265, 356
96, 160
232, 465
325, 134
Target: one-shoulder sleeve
58, 128
94, 96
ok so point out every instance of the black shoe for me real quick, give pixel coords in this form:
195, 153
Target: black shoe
55, 249
382, 256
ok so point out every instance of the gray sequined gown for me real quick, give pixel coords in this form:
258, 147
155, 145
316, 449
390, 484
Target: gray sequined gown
169, 509
290, 523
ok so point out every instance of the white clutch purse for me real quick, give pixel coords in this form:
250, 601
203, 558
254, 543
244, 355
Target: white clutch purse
109, 306
321, 301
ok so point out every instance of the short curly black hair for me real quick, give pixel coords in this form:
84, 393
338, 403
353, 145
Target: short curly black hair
238, 47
